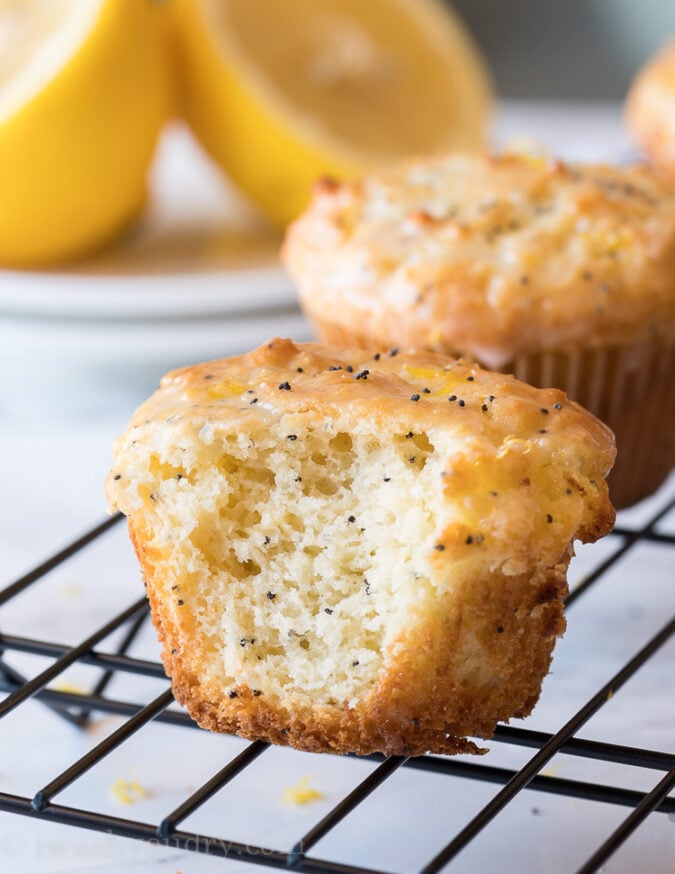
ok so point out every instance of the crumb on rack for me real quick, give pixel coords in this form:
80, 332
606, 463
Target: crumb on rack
69, 591
301, 793
65, 686
128, 792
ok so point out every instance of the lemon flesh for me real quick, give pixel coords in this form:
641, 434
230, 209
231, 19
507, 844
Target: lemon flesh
280, 94
83, 94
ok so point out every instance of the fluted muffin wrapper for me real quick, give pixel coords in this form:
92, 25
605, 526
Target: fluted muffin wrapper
631, 388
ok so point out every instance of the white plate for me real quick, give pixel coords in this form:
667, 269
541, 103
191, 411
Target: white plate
199, 250
137, 296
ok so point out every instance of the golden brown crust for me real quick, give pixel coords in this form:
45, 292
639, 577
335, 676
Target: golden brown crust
489, 257
479, 653
413, 710
287, 378
650, 110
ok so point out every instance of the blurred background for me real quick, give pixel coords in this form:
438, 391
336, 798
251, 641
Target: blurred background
183, 265
571, 50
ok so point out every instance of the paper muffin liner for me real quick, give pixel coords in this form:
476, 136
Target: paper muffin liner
631, 388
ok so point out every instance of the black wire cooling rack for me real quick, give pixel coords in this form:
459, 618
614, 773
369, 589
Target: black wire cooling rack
80, 708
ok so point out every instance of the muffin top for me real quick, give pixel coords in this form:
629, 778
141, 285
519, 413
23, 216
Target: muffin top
490, 256
534, 446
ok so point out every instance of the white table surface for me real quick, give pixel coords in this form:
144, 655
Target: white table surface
55, 453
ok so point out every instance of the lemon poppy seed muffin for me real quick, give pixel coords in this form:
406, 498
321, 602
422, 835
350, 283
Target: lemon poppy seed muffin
650, 110
562, 274
358, 552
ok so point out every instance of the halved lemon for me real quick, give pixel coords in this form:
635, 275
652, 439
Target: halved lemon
281, 93
83, 94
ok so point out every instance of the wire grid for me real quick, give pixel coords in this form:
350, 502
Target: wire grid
78, 709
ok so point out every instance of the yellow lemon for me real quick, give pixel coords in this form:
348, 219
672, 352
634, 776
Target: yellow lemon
282, 92
83, 94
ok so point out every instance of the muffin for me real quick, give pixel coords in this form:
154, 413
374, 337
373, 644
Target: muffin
562, 274
650, 110
355, 552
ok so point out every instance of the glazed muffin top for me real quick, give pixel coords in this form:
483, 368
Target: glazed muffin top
490, 256
495, 430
